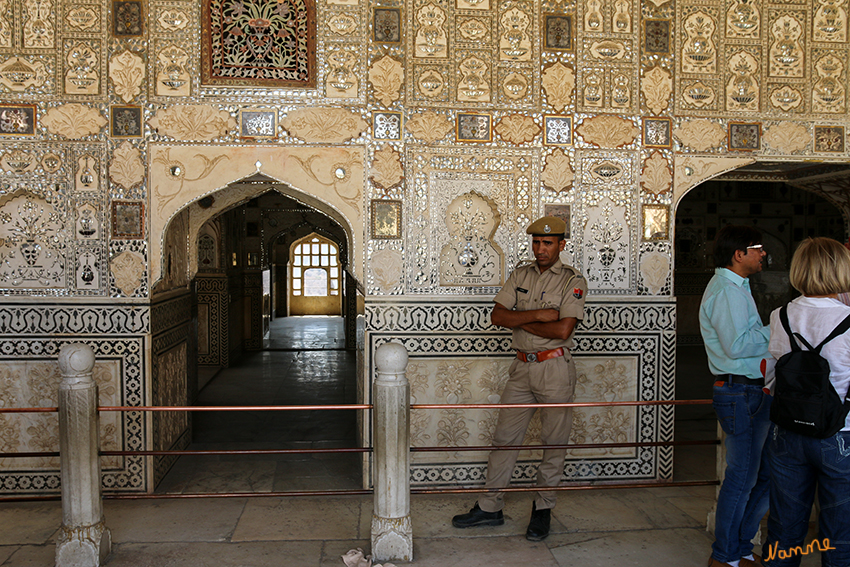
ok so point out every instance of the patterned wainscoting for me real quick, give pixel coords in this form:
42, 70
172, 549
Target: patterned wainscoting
171, 325
30, 339
212, 298
625, 350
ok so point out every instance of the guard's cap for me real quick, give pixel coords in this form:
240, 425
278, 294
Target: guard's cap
547, 226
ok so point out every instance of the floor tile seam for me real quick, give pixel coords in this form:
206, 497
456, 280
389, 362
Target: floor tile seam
238, 519
603, 534
10, 559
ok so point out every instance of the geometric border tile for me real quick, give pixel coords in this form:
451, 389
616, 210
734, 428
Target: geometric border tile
130, 475
644, 330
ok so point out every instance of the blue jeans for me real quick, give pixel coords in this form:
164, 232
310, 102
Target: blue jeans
744, 414
799, 464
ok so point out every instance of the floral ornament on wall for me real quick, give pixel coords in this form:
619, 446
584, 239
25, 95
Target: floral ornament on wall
558, 174
126, 168
30, 241
127, 71
74, 121
429, 126
387, 77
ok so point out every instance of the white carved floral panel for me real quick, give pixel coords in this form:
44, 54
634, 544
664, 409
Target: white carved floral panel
35, 383
475, 380
607, 247
32, 249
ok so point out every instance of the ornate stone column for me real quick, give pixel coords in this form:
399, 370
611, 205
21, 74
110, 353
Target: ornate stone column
392, 533
84, 540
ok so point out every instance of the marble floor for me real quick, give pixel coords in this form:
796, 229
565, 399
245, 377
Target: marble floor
304, 363
648, 527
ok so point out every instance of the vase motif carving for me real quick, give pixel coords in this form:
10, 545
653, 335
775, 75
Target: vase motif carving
743, 20
593, 16
341, 81
786, 49
39, 30
742, 90
621, 21
473, 85
431, 38
514, 41
699, 53
829, 93
471, 256
18, 74
830, 21
82, 76
172, 78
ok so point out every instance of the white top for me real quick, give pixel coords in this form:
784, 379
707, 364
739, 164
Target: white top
814, 318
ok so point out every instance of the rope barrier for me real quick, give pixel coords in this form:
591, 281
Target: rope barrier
369, 406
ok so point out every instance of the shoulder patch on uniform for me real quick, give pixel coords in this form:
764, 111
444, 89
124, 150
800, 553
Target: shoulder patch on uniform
577, 292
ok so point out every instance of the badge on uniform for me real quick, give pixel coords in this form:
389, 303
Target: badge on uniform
577, 292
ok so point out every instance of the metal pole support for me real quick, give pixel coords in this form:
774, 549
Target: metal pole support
392, 532
84, 540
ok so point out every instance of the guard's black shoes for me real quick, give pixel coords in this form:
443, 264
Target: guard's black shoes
538, 527
478, 517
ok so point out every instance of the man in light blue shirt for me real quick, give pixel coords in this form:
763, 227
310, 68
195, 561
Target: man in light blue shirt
736, 342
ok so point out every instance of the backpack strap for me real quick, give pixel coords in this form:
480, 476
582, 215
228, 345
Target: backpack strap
783, 316
839, 330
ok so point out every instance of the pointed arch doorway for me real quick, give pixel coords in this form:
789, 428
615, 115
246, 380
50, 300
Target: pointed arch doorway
235, 237
787, 202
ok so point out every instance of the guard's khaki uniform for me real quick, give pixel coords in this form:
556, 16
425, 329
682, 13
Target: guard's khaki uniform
551, 381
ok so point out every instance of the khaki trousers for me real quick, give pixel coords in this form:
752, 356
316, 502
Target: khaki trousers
551, 381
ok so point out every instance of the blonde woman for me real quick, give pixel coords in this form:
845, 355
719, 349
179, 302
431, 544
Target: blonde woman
799, 464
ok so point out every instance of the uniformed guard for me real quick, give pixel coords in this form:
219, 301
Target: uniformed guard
542, 302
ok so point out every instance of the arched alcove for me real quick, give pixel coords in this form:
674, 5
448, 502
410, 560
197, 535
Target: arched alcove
211, 179
787, 202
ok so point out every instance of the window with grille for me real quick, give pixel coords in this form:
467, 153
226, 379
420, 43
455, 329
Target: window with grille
315, 267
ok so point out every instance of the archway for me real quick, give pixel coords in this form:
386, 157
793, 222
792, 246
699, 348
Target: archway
314, 277
780, 200
220, 245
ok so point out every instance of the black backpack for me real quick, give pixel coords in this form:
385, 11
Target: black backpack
805, 401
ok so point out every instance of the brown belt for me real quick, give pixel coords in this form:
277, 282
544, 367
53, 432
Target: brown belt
540, 356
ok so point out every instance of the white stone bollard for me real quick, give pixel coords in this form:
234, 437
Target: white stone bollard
84, 540
392, 532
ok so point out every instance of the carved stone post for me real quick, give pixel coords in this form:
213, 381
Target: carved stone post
84, 540
392, 532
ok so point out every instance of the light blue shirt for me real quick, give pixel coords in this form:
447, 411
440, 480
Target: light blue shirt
735, 339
